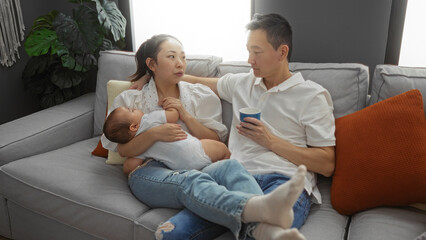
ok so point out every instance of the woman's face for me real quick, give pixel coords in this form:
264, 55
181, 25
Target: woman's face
171, 63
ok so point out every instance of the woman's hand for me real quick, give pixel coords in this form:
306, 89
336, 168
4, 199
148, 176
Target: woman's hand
138, 84
256, 131
171, 102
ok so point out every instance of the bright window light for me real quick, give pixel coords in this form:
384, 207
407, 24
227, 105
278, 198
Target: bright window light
413, 47
214, 27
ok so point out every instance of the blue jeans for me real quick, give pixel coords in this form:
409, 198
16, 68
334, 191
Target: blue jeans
215, 193
190, 226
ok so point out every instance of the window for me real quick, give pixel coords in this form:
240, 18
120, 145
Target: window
413, 47
215, 27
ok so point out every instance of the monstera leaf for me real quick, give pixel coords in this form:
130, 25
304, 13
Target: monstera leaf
66, 78
68, 60
111, 18
80, 34
39, 65
44, 22
40, 41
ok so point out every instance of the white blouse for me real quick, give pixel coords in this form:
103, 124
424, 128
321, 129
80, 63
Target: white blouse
198, 100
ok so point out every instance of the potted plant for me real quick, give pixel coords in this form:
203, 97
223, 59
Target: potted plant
64, 49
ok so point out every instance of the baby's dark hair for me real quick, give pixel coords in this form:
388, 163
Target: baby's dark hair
116, 129
149, 49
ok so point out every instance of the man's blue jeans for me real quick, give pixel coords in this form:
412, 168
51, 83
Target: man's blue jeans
187, 225
218, 193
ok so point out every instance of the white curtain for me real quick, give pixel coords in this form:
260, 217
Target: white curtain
11, 31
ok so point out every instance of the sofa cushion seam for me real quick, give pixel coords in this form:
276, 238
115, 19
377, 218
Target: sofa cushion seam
54, 219
401, 75
49, 128
61, 197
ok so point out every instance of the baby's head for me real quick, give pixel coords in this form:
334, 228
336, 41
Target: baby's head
121, 124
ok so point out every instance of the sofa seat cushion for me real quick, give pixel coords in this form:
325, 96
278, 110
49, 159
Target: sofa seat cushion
75, 188
387, 224
323, 221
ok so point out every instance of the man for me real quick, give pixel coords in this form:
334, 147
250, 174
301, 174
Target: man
297, 125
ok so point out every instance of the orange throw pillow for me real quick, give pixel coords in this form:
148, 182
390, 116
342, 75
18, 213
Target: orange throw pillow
100, 151
381, 155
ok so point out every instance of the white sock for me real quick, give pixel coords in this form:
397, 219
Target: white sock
264, 231
276, 208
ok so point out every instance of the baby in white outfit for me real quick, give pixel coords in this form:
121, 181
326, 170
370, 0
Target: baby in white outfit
123, 124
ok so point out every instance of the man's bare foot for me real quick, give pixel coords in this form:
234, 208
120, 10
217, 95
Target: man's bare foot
276, 208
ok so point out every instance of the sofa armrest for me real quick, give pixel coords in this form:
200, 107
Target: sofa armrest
47, 129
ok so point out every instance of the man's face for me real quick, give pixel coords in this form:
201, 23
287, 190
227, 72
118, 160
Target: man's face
263, 58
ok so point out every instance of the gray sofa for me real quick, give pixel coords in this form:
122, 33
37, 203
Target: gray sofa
51, 187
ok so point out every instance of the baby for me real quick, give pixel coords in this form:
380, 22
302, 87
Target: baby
123, 124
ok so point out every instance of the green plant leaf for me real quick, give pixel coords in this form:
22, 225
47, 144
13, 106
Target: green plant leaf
68, 60
35, 65
65, 78
111, 18
106, 45
68, 94
36, 84
87, 60
52, 98
81, 34
40, 42
44, 22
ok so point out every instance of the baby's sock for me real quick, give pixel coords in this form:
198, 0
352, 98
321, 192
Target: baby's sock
264, 231
276, 208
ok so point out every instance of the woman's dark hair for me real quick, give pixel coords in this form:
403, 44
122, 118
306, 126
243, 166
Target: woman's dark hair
278, 29
149, 49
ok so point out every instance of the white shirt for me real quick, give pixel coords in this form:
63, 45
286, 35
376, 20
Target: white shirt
298, 111
198, 100
184, 154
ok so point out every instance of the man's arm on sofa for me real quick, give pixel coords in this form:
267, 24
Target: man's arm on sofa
208, 81
48, 129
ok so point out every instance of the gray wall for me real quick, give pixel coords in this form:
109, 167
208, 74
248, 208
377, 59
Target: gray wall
335, 30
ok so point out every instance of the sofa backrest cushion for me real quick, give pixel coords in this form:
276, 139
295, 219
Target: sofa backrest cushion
346, 82
390, 80
119, 65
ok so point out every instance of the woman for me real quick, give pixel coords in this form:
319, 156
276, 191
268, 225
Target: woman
212, 193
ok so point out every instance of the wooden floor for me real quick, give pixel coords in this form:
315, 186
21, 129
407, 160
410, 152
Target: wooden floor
2, 238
